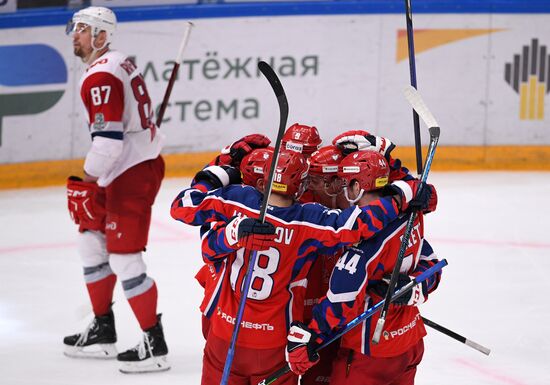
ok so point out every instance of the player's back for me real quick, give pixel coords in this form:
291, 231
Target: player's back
376, 257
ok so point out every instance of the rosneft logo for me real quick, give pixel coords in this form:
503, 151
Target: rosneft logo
529, 75
28, 73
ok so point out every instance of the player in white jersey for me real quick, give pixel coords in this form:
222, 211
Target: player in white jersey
112, 204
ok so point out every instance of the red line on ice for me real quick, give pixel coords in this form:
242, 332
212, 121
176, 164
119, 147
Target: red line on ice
486, 242
489, 373
183, 236
48, 246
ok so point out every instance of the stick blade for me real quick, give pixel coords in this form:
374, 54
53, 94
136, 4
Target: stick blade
272, 78
184, 41
416, 101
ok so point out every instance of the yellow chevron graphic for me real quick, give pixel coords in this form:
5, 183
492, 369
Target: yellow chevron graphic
426, 39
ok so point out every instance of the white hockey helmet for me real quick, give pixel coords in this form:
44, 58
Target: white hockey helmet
98, 18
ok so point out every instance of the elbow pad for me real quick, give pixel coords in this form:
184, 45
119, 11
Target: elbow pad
102, 156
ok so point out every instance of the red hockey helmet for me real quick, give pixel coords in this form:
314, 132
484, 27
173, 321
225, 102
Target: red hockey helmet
369, 168
252, 165
325, 161
302, 139
290, 174
323, 170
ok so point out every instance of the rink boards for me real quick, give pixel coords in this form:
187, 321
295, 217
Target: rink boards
485, 76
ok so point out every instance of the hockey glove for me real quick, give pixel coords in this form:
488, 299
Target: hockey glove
300, 348
413, 297
412, 199
218, 176
355, 140
237, 150
249, 233
85, 203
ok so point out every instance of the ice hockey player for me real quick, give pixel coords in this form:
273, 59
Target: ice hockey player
112, 204
358, 282
247, 154
251, 167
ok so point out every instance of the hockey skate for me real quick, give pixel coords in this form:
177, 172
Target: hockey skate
149, 355
97, 341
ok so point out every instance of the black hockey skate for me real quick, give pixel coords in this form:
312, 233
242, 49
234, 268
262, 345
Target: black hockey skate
149, 355
97, 341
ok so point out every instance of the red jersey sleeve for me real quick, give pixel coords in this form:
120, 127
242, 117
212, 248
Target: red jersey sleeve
103, 97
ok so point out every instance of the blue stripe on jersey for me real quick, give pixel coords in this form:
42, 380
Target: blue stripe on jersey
377, 241
424, 264
319, 312
426, 249
218, 289
118, 135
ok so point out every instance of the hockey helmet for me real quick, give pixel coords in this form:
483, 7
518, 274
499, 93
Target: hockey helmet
323, 170
291, 173
369, 168
98, 18
325, 161
252, 165
302, 139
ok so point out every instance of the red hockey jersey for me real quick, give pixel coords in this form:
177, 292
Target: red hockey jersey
360, 268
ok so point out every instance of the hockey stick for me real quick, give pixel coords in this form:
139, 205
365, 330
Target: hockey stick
456, 336
363, 316
412, 70
275, 83
418, 104
174, 74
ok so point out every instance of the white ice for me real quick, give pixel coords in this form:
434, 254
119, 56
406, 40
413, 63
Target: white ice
493, 228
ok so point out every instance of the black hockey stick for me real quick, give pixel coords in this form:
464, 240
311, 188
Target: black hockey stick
174, 74
283, 110
418, 104
456, 336
412, 70
363, 316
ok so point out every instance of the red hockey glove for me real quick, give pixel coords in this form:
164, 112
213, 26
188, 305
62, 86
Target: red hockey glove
355, 140
237, 150
411, 198
85, 203
300, 348
249, 233
413, 297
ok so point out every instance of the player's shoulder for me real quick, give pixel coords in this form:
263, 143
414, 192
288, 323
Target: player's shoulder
306, 213
244, 194
110, 63
389, 236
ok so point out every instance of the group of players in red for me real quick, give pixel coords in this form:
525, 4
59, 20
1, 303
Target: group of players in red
332, 232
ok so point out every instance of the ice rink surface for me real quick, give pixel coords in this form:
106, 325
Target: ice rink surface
493, 228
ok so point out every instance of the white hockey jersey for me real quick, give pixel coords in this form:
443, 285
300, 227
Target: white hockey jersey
120, 117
